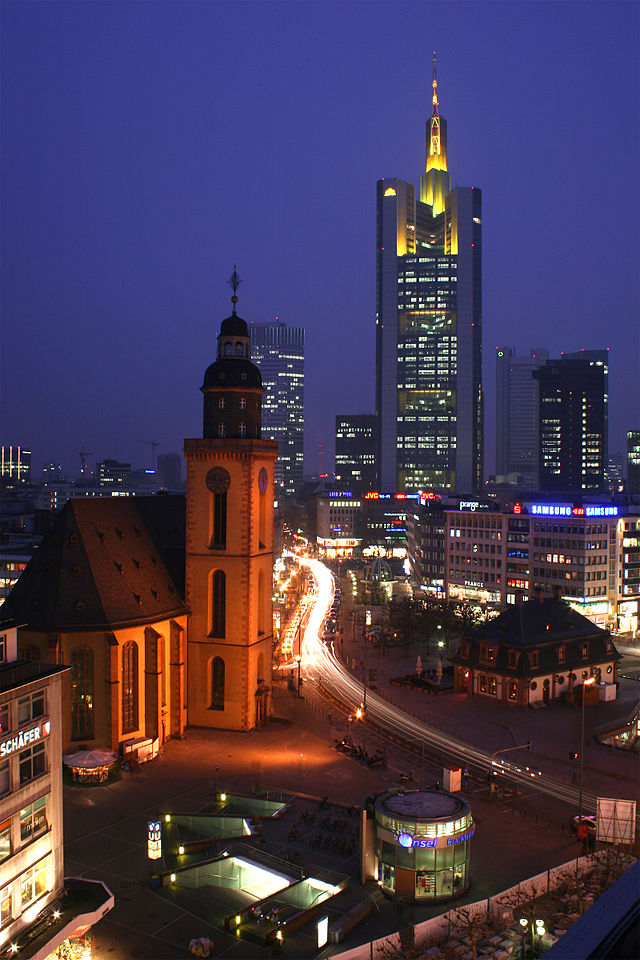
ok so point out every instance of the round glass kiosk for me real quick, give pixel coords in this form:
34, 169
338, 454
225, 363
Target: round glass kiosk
422, 843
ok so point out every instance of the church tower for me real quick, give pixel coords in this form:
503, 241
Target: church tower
229, 544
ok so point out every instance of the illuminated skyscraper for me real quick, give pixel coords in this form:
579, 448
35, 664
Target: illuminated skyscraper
356, 451
429, 326
517, 414
278, 350
572, 451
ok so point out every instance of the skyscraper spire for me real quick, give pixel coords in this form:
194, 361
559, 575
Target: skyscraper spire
434, 84
436, 136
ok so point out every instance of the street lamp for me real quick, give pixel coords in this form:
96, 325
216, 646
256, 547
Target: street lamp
585, 683
298, 661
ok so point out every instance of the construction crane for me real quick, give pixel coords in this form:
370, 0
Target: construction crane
153, 444
83, 460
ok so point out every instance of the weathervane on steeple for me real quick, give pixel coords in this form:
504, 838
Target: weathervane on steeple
234, 282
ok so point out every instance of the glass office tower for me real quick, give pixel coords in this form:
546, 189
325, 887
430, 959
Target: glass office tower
429, 327
278, 351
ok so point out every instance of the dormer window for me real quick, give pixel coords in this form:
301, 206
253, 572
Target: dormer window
514, 657
243, 403
585, 650
533, 659
221, 403
221, 429
242, 430
609, 645
562, 653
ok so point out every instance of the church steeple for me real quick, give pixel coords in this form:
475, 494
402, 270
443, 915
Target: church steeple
232, 385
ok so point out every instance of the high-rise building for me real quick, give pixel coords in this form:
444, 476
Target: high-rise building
429, 326
278, 350
113, 473
170, 471
229, 542
600, 360
356, 451
15, 463
632, 484
572, 424
517, 414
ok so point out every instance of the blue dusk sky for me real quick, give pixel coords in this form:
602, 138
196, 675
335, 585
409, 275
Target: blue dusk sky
146, 147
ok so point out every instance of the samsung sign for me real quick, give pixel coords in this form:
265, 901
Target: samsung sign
25, 738
565, 510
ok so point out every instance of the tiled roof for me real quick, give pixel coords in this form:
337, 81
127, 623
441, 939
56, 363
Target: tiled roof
531, 623
108, 561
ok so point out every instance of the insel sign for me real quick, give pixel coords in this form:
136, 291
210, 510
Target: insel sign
25, 738
406, 839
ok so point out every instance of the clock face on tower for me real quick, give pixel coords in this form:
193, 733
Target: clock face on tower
263, 480
218, 480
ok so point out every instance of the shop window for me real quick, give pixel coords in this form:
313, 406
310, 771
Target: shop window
217, 683
513, 690
129, 687
4, 718
82, 693
33, 883
5, 839
6, 913
32, 763
5, 779
31, 708
33, 820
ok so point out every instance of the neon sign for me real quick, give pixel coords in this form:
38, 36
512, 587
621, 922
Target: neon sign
472, 505
517, 508
25, 738
409, 841
564, 510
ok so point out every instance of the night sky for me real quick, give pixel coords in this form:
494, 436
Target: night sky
148, 146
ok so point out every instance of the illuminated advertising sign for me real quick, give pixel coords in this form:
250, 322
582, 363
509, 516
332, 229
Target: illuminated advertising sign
25, 738
472, 505
430, 495
408, 840
154, 841
566, 510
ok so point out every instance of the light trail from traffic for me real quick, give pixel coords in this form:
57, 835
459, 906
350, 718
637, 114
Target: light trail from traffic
320, 663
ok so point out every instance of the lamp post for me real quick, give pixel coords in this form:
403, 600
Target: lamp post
585, 683
298, 661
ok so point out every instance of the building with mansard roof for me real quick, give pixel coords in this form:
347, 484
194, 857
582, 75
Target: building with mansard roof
533, 653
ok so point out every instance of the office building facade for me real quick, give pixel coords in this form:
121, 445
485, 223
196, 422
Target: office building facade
356, 451
517, 415
572, 425
278, 351
632, 484
15, 463
429, 327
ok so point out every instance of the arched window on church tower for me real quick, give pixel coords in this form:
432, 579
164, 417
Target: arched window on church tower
82, 693
129, 687
218, 603
217, 683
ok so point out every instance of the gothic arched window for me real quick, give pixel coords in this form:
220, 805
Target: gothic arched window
129, 687
82, 693
218, 603
217, 683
